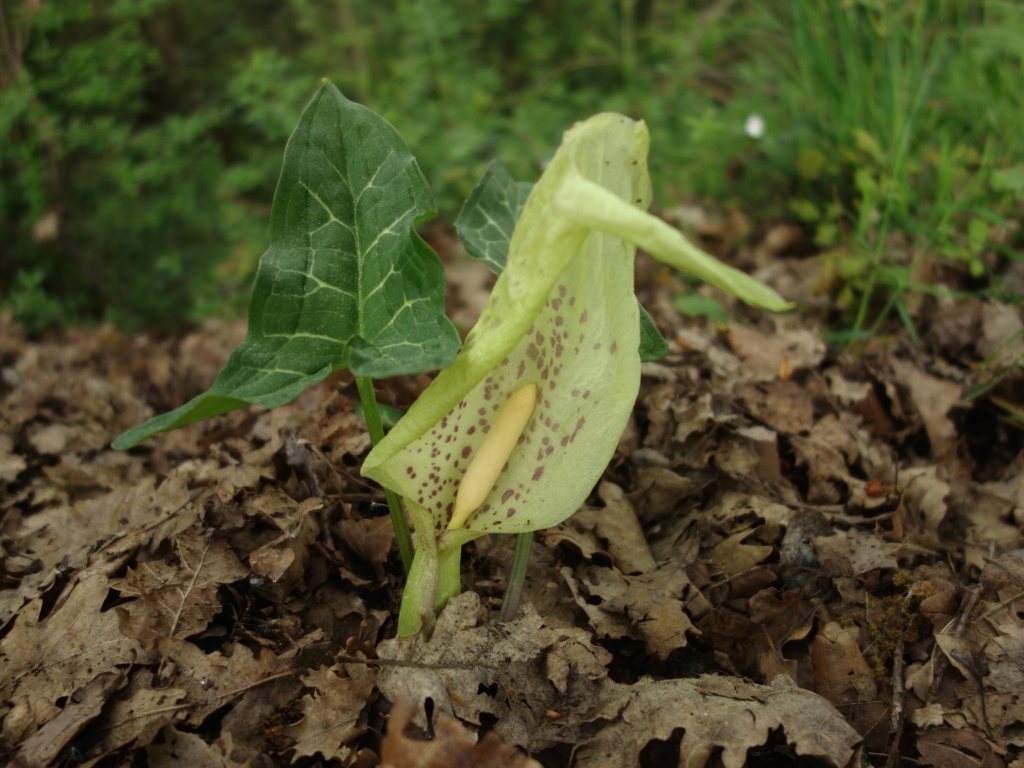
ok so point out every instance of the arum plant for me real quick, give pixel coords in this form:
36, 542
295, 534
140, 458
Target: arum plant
512, 437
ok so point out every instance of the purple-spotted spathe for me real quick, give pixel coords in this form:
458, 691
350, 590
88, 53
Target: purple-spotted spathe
562, 316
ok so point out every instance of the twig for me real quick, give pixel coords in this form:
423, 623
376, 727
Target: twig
941, 662
896, 716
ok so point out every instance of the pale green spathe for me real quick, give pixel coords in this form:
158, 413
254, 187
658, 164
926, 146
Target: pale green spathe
563, 316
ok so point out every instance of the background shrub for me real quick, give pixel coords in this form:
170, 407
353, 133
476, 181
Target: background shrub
140, 140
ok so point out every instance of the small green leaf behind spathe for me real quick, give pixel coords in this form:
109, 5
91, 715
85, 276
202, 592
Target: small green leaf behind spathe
486, 223
346, 283
489, 215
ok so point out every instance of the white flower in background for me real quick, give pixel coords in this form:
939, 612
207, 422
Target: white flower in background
754, 126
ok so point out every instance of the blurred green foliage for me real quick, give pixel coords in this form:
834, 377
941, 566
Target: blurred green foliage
140, 141
893, 116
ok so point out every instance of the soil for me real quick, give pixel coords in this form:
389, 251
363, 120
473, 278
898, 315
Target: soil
801, 554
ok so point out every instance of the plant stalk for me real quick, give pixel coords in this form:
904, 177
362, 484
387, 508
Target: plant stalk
516, 577
376, 429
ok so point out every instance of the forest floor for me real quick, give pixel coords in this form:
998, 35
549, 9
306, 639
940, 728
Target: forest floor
798, 556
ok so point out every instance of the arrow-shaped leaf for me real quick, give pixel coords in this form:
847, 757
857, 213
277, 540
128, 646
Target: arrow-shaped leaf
485, 225
346, 282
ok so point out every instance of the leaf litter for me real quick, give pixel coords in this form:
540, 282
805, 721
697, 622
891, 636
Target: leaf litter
795, 556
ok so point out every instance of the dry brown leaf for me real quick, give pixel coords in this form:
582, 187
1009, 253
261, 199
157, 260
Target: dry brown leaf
369, 539
283, 560
617, 524
452, 746
784, 405
139, 713
735, 557
177, 599
654, 603
333, 716
1005, 654
212, 680
661, 491
720, 718
763, 355
932, 398
176, 749
854, 551
11, 464
44, 660
841, 674
827, 473
43, 746
982, 520
752, 455
956, 748
604, 623
503, 670
578, 531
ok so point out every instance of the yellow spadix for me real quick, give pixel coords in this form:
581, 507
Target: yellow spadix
493, 452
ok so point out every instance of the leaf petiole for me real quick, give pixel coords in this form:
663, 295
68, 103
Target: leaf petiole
376, 428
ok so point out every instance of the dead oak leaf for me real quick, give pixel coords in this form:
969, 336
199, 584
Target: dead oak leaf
177, 599
212, 680
45, 659
618, 525
827, 473
956, 748
515, 672
783, 404
763, 355
43, 746
180, 748
333, 715
854, 551
138, 715
1005, 652
932, 398
734, 556
451, 747
370, 540
720, 718
654, 603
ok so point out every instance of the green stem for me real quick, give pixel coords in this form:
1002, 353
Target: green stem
516, 577
449, 582
433, 580
376, 428
417, 609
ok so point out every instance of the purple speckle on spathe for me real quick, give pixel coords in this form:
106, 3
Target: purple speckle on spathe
538, 473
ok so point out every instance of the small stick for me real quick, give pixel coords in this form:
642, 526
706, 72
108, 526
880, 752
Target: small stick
896, 716
941, 662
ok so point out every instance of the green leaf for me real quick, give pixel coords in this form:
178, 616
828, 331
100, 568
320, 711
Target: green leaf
694, 305
486, 223
346, 282
489, 215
